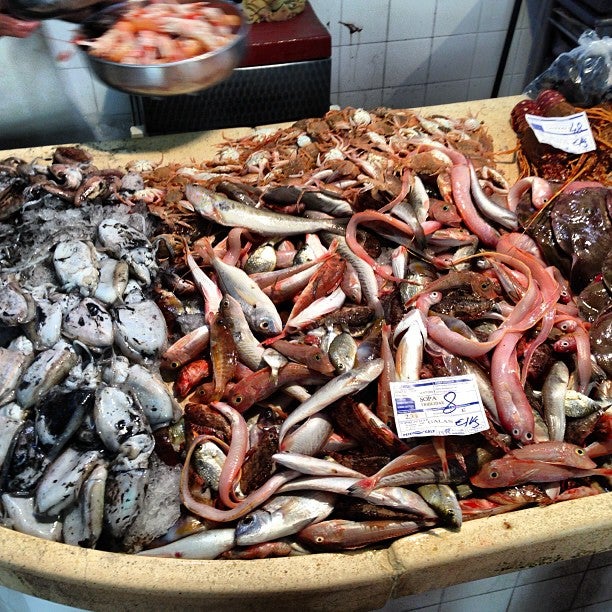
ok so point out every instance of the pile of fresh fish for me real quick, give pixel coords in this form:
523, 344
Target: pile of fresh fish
197, 361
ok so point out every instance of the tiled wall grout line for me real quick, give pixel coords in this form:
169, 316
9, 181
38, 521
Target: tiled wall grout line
427, 74
578, 589
384, 66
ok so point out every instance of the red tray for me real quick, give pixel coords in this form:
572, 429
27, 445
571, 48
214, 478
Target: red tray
298, 39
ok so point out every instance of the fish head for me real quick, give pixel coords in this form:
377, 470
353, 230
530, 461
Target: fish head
267, 322
496, 473
523, 434
203, 200
254, 527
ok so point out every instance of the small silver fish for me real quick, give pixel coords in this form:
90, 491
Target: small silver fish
443, 500
504, 216
341, 386
577, 405
262, 259
258, 308
206, 544
343, 352
553, 398
215, 207
409, 354
208, 460
284, 515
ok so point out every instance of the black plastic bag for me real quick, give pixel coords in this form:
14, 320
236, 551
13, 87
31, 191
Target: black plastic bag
583, 75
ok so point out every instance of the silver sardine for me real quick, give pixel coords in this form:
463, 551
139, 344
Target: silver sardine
218, 208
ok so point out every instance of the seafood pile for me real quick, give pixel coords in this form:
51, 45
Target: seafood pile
163, 32
199, 360
543, 160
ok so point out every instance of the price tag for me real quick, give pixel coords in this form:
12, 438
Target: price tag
448, 406
571, 134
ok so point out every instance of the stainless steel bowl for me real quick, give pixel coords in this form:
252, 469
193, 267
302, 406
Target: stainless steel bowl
174, 78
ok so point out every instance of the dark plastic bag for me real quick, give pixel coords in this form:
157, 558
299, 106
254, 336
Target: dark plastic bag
583, 75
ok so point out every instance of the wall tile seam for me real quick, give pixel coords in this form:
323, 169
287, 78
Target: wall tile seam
349, 91
414, 39
590, 601
549, 578
399, 40
462, 80
593, 560
384, 67
500, 31
480, 9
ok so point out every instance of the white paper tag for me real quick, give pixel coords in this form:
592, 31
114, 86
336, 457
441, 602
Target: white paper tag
447, 406
571, 134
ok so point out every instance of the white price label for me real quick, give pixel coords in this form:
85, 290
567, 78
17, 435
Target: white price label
448, 406
571, 134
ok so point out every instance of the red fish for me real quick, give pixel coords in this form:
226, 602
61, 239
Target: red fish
190, 376
508, 471
560, 453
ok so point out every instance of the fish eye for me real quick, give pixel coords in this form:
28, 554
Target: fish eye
485, 285
515, 432
319, 539
317, 357
494, 474
580, 451
225, 303
238, 399
175, 365
247, 520
264, 325
446, 208
528, 436
340, 367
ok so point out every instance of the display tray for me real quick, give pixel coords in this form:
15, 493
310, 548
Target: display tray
360, 580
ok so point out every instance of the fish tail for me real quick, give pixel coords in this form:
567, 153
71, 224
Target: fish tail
208, 248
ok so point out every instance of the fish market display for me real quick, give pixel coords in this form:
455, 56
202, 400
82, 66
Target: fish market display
199, 361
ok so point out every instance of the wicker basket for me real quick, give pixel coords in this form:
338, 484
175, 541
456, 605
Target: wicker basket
271, 10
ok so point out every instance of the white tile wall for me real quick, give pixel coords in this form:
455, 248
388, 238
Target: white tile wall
453, 47
583, 585
417, 24
454, 17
